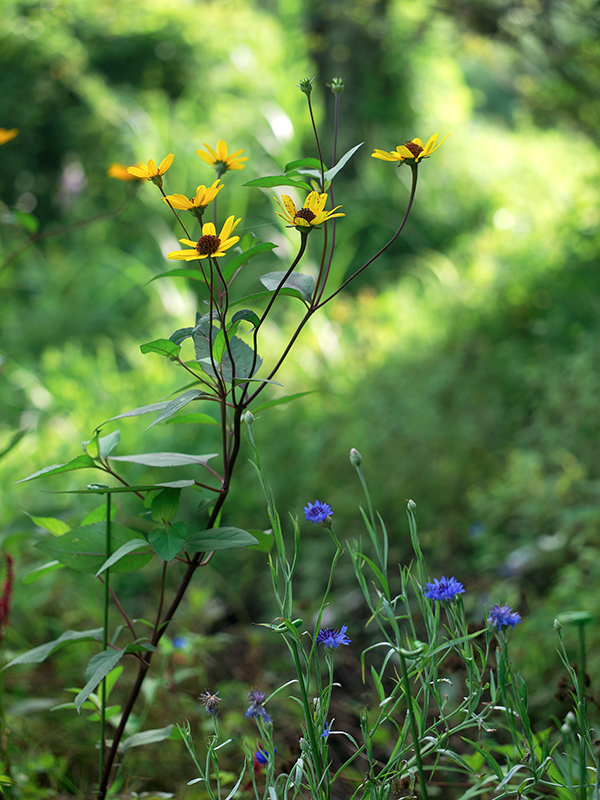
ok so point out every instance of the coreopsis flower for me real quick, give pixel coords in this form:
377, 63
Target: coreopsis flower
209, 244
503, 616
195, 204
411, 152
332, 637
311, 214
152, 172
443, 589
121, 172
256, 698
219, 158
6, 135
317, 512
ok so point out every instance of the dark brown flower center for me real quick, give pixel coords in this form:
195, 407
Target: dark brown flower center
207, 245
414, 148
305, 213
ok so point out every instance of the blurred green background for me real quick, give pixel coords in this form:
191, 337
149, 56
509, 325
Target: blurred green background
464, 364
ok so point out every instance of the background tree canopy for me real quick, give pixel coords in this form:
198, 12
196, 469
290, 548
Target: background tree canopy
463, 365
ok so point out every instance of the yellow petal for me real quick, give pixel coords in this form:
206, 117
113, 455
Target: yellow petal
205, 157
165, 163
289, 205
7, 135
178, 201
211, 151
221, 150
417, 141
237, 152
208, 229
152, 170
439, 144
404, 152
385, 156
188, 242
139, 172
302, 223
228, 227
311, 200
229, 242
183, 255
237, 165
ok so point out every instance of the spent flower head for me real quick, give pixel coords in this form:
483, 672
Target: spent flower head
256, 709
332, 637
219, 158
503, 617
337, 85
211, 702
443, 589
305, 85
311, 214
411, 152
317, 512
209, 244
152, 172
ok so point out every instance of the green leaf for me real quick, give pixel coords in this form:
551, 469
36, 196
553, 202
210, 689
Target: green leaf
84, 548
146, 737
137, 412
144, 487
313, 163
124, 550
278, 180
99, 515
80, 462
55, 526
232, 266
28, 221
281, 401
243, 357
218, 539
196, 419
41, 653
248, 315
97, 669
165, 505
253, 298
193, 274
164, 347
106, 444
174, 405
331, 173
168, 542
303, 284
264, 540
166, 459
39, 572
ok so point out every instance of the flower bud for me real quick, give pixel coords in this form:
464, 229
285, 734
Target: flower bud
305, 85
570, 719
565, 729
355, 457
248, 418
557, 624
412, 505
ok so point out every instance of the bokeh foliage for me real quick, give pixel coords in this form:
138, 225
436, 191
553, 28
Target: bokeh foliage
464, 366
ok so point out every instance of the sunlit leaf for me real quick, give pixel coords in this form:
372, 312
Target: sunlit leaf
41, 653
303, 284
196, 419
166, 459
124, 550
97, 669
80, 462
175, 405
278, 180
164, 347
331, 173
84, 549
39, 572
51, 524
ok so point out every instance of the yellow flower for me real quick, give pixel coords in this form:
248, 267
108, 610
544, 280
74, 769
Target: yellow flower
220, 160
311, 214
151, 172
209, 244
121, 173
7, 135
411, 152
198, 203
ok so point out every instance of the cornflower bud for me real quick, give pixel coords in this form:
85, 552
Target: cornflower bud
355, 457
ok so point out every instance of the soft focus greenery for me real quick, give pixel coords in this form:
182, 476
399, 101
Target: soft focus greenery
464, 366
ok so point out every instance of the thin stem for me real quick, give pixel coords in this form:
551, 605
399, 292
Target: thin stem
162, 596
314, 126
107, 554
413, 725
120, 609
582, 711
336, 117
185, 230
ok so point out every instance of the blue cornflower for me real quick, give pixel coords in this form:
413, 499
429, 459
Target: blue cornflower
331, 637
325, 733
317, 512
503, 616
261, 757
256, 698
443, 589
179, 642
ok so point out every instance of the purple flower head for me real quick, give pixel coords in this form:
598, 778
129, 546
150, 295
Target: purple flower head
503, 616
443, 589
331, 637
317, 512
261, 757
256, 698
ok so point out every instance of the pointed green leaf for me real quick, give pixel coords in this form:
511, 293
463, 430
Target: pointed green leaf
195, 419
278, 180
303, 284
80, 462
41, 653
192, 274
264, 540
166, 459
253, 298
39, 572
137, 412
106, 444
55, 526
97, 669
144, 487
243, 357
164, 347
124, 550
147, 737
165, 505
312, 163
99, 515
248, 315
168, 542
281, 401
218, 539
232, 266
176, 404
331, 173
84, 548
